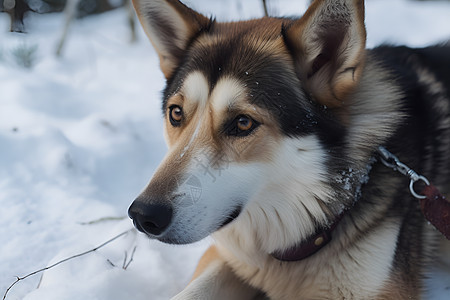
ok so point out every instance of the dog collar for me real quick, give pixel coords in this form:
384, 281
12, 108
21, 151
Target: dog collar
320, 238
309, 246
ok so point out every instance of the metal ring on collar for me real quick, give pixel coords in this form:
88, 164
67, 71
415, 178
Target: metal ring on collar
411, 186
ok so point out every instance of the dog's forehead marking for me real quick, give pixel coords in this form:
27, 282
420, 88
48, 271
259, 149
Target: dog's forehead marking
196, 88
226, 93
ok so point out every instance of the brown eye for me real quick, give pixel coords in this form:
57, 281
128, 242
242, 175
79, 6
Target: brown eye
241, 126
175, 115
244, 123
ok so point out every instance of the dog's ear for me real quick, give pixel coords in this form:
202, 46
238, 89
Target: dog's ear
328, 45
170, 26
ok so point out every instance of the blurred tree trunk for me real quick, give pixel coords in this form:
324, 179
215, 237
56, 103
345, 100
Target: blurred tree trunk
266, 12
103, 5
131, 20
16, 10
70, 11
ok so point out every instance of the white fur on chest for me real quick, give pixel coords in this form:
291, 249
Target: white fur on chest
358, 272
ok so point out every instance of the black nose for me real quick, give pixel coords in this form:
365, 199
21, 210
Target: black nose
152, 219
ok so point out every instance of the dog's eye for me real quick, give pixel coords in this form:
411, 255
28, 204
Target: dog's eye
175, 115
244, 123
241, 126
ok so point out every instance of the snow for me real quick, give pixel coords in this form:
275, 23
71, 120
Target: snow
80, 136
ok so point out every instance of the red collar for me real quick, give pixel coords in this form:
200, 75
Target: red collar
309, 246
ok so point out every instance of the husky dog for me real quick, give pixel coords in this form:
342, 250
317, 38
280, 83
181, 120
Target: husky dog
273, 127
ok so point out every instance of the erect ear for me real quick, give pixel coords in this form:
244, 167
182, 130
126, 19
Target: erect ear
170, 26
328, 45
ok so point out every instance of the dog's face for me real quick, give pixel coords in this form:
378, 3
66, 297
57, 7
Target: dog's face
248, 112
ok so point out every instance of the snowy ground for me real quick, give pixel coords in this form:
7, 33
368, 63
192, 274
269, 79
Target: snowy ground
80, 136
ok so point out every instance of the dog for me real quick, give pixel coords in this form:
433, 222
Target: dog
273, 127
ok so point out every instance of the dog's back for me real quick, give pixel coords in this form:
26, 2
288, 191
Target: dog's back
423, 74
421, 140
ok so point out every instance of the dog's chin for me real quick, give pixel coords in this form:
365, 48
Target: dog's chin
175, 238
178, 239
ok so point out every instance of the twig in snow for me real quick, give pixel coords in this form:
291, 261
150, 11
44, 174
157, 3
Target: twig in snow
125, 260
125, 265
101, 220
111, 263
64, 260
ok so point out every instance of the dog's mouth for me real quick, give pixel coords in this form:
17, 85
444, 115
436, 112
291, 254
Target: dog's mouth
231, 217
169, 239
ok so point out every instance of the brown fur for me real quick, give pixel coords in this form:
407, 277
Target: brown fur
209, 256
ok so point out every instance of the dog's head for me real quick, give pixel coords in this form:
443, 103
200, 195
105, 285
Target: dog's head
252, 111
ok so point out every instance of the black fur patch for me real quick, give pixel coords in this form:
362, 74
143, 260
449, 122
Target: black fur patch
423, 76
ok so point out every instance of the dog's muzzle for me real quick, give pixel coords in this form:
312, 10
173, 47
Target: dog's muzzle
150, 218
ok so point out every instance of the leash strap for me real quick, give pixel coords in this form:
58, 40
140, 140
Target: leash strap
434, 206
436, 209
